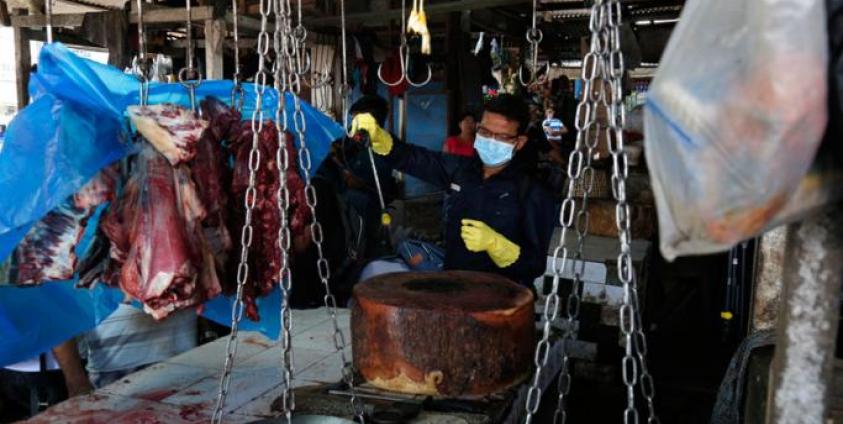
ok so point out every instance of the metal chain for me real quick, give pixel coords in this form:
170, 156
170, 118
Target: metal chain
589, 131
282, 160
346, 89
237, 93
189, 76
630, 315
143, 64
579, 170
294, 74
250, 199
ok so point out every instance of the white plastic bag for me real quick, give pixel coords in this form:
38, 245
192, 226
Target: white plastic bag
734, 118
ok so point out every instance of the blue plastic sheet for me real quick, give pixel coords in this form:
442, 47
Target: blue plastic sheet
74, 127
42, 317
34, 319
218, 310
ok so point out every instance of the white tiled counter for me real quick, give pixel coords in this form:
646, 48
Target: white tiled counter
184, 388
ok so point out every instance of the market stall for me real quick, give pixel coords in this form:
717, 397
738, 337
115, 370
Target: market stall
427, 212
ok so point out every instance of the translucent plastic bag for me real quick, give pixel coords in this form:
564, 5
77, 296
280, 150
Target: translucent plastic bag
734, 119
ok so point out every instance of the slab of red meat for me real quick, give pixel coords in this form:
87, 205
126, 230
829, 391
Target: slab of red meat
264, 256
213, 176
48, 252
117, 225
165, 267
101, 189
172, 129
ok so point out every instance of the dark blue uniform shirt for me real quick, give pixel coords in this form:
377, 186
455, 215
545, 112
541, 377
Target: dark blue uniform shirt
508, 202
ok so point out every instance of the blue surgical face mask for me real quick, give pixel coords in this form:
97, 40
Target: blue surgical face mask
493, 152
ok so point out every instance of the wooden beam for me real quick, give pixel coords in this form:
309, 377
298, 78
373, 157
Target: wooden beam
38, 21
214, 36
23, 62
245, 22
245, 43
430, 9
171, 15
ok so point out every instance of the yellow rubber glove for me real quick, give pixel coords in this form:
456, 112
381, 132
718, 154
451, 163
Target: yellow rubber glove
479, 237
380, 139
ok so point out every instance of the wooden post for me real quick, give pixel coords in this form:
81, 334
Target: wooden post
214, 38
23, 62
807, 330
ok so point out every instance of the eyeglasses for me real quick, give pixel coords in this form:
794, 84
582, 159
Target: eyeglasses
503, 138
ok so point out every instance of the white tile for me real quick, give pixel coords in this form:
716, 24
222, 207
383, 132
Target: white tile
245, 386
327, 370
321, 338
272, 358
156, 382
99, 408
212, 355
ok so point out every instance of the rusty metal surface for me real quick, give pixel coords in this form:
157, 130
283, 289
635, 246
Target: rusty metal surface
455, 334
767, 290
807, 330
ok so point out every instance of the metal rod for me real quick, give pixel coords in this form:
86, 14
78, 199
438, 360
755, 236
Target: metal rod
48, 10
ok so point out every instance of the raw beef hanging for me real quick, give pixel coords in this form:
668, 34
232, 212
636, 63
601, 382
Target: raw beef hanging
48, 252
157, 238
172, 129
213, 176
264, 256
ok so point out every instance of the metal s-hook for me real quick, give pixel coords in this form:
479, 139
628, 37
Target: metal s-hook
534, 37
189, 76
404, 58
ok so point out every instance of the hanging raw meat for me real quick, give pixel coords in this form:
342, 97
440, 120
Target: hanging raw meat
173, 130
158, 249
48, 252
264, 263
213, 176
265, 254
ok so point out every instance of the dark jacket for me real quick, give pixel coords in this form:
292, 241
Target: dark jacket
508, 202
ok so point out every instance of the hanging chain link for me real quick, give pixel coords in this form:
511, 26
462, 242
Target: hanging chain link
143, 66
588, 129
296, 68
571, 217
189, 76
237, 93
250, 199
630, 314
346, 88
282, 160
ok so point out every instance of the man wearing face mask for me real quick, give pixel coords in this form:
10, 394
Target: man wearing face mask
499, 220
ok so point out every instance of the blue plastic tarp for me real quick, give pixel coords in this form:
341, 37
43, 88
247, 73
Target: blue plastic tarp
74, 127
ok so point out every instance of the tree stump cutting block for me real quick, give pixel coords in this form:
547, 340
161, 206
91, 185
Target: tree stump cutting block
447, 334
